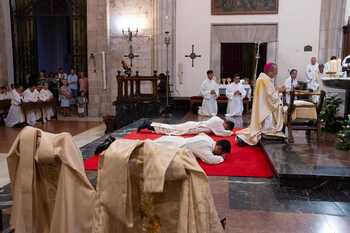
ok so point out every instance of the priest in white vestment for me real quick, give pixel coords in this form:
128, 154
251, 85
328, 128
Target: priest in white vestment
235, 93
291, 83
46, 95
267, 113
15, 115
210, 92
214, 125
202, 146
30, 95
311, 75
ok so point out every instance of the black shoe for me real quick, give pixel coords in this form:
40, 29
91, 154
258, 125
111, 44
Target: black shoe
223, 223
104, 145
145, 125
240, 142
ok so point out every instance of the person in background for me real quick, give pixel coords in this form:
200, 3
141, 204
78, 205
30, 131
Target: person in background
73, 84
291, 83
311, 73
15, 115
65, 97
235, 93
82, 102
4, 94
83, 83
46, 95
209, 91
30, 96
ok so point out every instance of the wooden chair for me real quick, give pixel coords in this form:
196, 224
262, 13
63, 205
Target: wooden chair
300, 123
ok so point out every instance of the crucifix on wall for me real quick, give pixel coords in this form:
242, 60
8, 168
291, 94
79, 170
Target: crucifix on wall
131, 55
193, 56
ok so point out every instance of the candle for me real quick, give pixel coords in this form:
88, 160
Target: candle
104, 70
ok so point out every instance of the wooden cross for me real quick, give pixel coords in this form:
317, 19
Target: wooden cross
131, 55
193, 55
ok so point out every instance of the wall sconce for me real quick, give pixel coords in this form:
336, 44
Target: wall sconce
93, 59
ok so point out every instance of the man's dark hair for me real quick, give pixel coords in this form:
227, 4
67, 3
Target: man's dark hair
210, 72
293, 70
236, 75
225, 145
231, 124
333, 57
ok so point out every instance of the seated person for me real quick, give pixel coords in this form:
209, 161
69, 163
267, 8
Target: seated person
267, 114
15, 115
202, 146
214, 125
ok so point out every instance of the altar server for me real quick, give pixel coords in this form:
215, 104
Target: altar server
214, 125
267, 113
46, 96
15, 115
291, 83
311, 75
202, 146
209, 91
30, 95
235, 93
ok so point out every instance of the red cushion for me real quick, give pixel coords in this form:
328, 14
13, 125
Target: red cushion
196, 97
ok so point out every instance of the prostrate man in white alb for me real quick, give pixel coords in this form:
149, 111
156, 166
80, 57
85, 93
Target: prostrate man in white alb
210, 92
346, 65
311, 75
235, 93
202, 146
214, 125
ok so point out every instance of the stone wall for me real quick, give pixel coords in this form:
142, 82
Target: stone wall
106, 19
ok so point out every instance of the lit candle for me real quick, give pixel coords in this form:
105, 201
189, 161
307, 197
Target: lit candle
104, 70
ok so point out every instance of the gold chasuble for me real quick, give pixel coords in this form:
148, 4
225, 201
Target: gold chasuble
51, 193
146, 187
267, 113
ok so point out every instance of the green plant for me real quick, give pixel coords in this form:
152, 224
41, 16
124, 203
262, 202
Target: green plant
343, 137
330, 123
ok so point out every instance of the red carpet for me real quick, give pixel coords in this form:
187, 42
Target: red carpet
243, 161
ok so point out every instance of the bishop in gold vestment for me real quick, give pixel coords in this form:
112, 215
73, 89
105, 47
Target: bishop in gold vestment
267, 113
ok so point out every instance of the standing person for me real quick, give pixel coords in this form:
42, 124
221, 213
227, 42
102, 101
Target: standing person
46, 95
209, 91
235, 93
83, 83
30, 96
267, 113
73, 84
15, 115
65, 97
82, 102
291, 83
311, 75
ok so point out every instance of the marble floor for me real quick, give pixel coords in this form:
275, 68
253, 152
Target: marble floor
254, 205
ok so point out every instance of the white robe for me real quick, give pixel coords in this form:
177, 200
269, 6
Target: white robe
46, 95
290, 85
248, 91
15, 115
201, 146
235, 102
209, 106
311, 77
213, 125
28, 97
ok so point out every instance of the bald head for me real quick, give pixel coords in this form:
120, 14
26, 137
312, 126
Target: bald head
313, 60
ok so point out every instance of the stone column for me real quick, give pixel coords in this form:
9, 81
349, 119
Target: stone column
331, 34
97, 32
6, 58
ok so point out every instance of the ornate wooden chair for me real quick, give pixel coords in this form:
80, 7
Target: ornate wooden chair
296, 122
